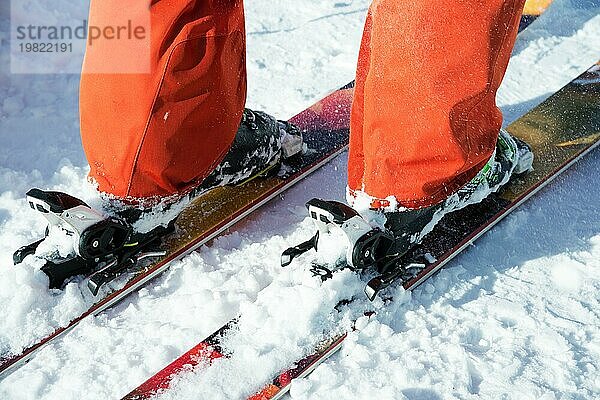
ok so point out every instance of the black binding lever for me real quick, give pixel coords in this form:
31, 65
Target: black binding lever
290, 254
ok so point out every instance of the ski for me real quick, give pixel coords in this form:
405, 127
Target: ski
325, 133
568, 140
561, 130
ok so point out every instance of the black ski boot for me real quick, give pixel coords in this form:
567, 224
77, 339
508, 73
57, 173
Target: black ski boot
261, 145
512, 157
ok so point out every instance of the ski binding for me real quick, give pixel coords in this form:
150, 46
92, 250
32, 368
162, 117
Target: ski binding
368, 248
104, 247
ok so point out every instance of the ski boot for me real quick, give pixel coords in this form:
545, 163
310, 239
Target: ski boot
103, 246
382, 249
262, 144
512, 157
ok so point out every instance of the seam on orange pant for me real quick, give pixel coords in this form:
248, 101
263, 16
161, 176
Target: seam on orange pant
158, 89
368, 32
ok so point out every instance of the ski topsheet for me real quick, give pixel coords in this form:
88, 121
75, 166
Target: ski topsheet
325, 129
561, 130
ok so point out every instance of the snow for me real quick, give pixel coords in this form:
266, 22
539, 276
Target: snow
515, 317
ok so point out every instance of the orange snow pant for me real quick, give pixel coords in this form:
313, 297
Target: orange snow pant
424, 118
162, 131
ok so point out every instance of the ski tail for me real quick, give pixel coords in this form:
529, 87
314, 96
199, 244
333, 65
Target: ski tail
200, 354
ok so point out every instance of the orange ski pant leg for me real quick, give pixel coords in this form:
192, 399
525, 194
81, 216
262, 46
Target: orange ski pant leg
424, 118
160, 133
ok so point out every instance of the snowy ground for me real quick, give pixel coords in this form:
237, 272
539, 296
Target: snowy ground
515, 317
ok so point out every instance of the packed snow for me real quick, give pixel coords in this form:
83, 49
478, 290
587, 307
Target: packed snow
517, 316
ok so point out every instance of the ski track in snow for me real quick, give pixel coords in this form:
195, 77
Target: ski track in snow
517, 316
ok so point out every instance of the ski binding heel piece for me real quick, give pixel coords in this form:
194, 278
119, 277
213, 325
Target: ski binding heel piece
95, 236
367, 246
